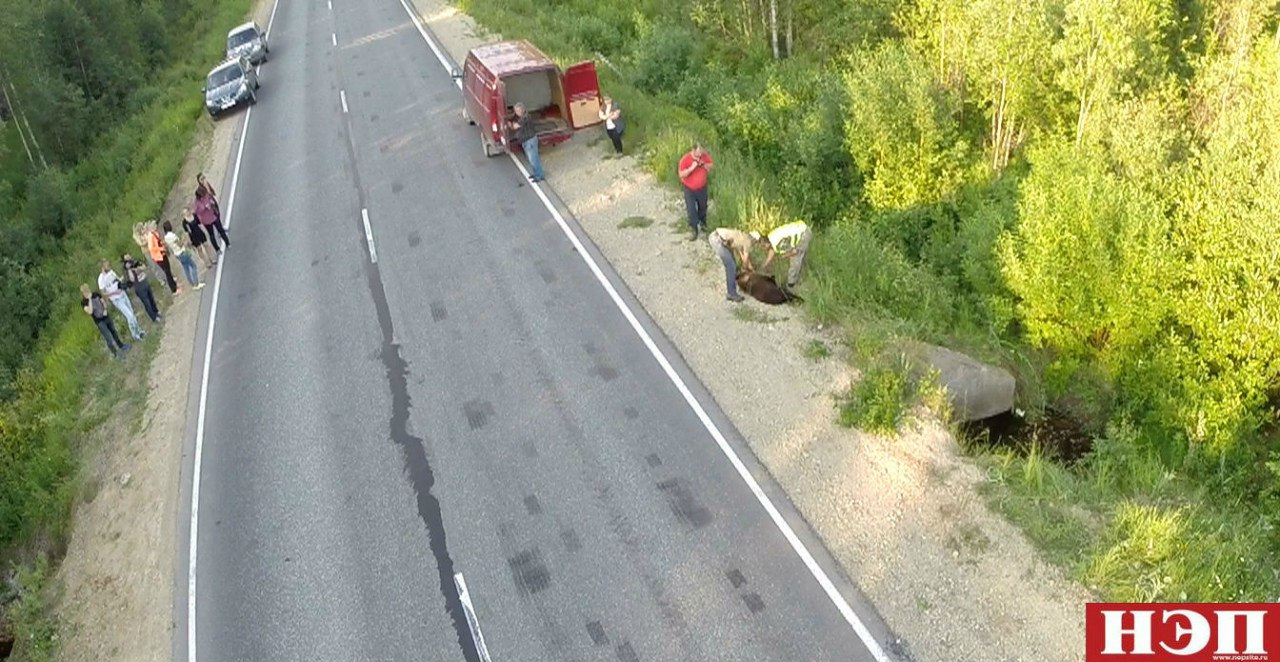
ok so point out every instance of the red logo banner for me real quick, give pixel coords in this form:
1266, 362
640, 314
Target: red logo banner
1182, 632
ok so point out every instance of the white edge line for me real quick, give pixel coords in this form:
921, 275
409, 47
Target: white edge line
368, 235
335, 38
204, 386
818, 573
342, 94
473, 622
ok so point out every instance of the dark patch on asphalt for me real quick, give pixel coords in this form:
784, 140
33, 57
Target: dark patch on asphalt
548, 276
415, 238
736, 578
626, 653
315, 262
529, 572
603, 369
478, 413
532, 505
596, 630
497, 378
686, 507
530, 450
508, 211
366, 94
396, 187
438, 312
571, 540
653, 460
418, 466
754, 602
373, 118
631, 413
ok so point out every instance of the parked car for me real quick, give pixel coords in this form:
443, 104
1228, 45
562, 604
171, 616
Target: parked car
229, 84
497, 76
248, 39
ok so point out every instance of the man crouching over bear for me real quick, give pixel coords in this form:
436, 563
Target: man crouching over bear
726, 242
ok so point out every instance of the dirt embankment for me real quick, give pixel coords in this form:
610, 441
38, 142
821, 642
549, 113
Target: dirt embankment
114, 588
902, 516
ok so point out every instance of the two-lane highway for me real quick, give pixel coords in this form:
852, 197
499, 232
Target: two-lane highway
414, 373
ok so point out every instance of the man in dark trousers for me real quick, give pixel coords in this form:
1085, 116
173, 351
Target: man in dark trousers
96, 308
693, 169
527, 136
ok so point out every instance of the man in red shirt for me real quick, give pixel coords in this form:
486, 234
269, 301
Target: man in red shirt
693, 169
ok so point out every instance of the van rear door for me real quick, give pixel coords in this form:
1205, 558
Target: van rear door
582, 93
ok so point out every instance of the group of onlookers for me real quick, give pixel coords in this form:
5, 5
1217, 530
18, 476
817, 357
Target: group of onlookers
161, 244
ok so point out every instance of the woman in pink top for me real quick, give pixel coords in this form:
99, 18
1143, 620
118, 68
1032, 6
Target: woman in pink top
207, 212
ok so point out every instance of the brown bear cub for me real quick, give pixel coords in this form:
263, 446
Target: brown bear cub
765, 289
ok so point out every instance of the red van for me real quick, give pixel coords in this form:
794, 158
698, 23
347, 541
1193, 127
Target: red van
497, 76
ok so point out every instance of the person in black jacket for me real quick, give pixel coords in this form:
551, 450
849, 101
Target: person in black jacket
93, 305
527, 135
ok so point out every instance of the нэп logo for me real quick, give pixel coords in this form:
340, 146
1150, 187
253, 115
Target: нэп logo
1182, 632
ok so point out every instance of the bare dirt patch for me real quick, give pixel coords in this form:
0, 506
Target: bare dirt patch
902, 516
114, 588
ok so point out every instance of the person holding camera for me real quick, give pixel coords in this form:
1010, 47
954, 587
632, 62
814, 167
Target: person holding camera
693, 169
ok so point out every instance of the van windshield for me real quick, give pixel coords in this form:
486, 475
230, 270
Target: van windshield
223, 76
241, 38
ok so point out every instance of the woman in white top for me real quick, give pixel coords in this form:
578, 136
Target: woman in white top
613, 123
179, 247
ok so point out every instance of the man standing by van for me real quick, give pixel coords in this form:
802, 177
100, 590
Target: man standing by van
693, 169
527, 136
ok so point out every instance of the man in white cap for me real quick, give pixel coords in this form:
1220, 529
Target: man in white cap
792, 240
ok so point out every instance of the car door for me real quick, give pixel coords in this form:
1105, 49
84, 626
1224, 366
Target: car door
582, 93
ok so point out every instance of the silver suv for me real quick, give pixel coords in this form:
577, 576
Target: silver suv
229, 84
248, 39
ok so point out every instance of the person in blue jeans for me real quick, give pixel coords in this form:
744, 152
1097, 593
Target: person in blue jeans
527, 135
725, 242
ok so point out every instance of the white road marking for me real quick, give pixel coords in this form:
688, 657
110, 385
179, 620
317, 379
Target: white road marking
368, 235
779, 521
343, 95
204, 386
472, 621
335, 38
330, 5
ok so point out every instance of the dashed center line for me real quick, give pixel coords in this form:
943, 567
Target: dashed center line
368, 235
330, 5
342, 94
335, 38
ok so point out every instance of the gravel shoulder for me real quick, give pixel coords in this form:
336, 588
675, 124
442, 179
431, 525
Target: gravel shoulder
902, 516
114, 587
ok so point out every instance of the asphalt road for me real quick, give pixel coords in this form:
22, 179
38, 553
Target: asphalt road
472, 402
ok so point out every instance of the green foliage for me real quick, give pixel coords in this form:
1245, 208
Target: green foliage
879, 400
900, 129
1089, 262
34, 633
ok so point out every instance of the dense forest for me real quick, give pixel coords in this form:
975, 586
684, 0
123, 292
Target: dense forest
103, 99
1084, 191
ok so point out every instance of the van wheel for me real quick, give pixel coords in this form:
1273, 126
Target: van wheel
484, 144
467, 117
